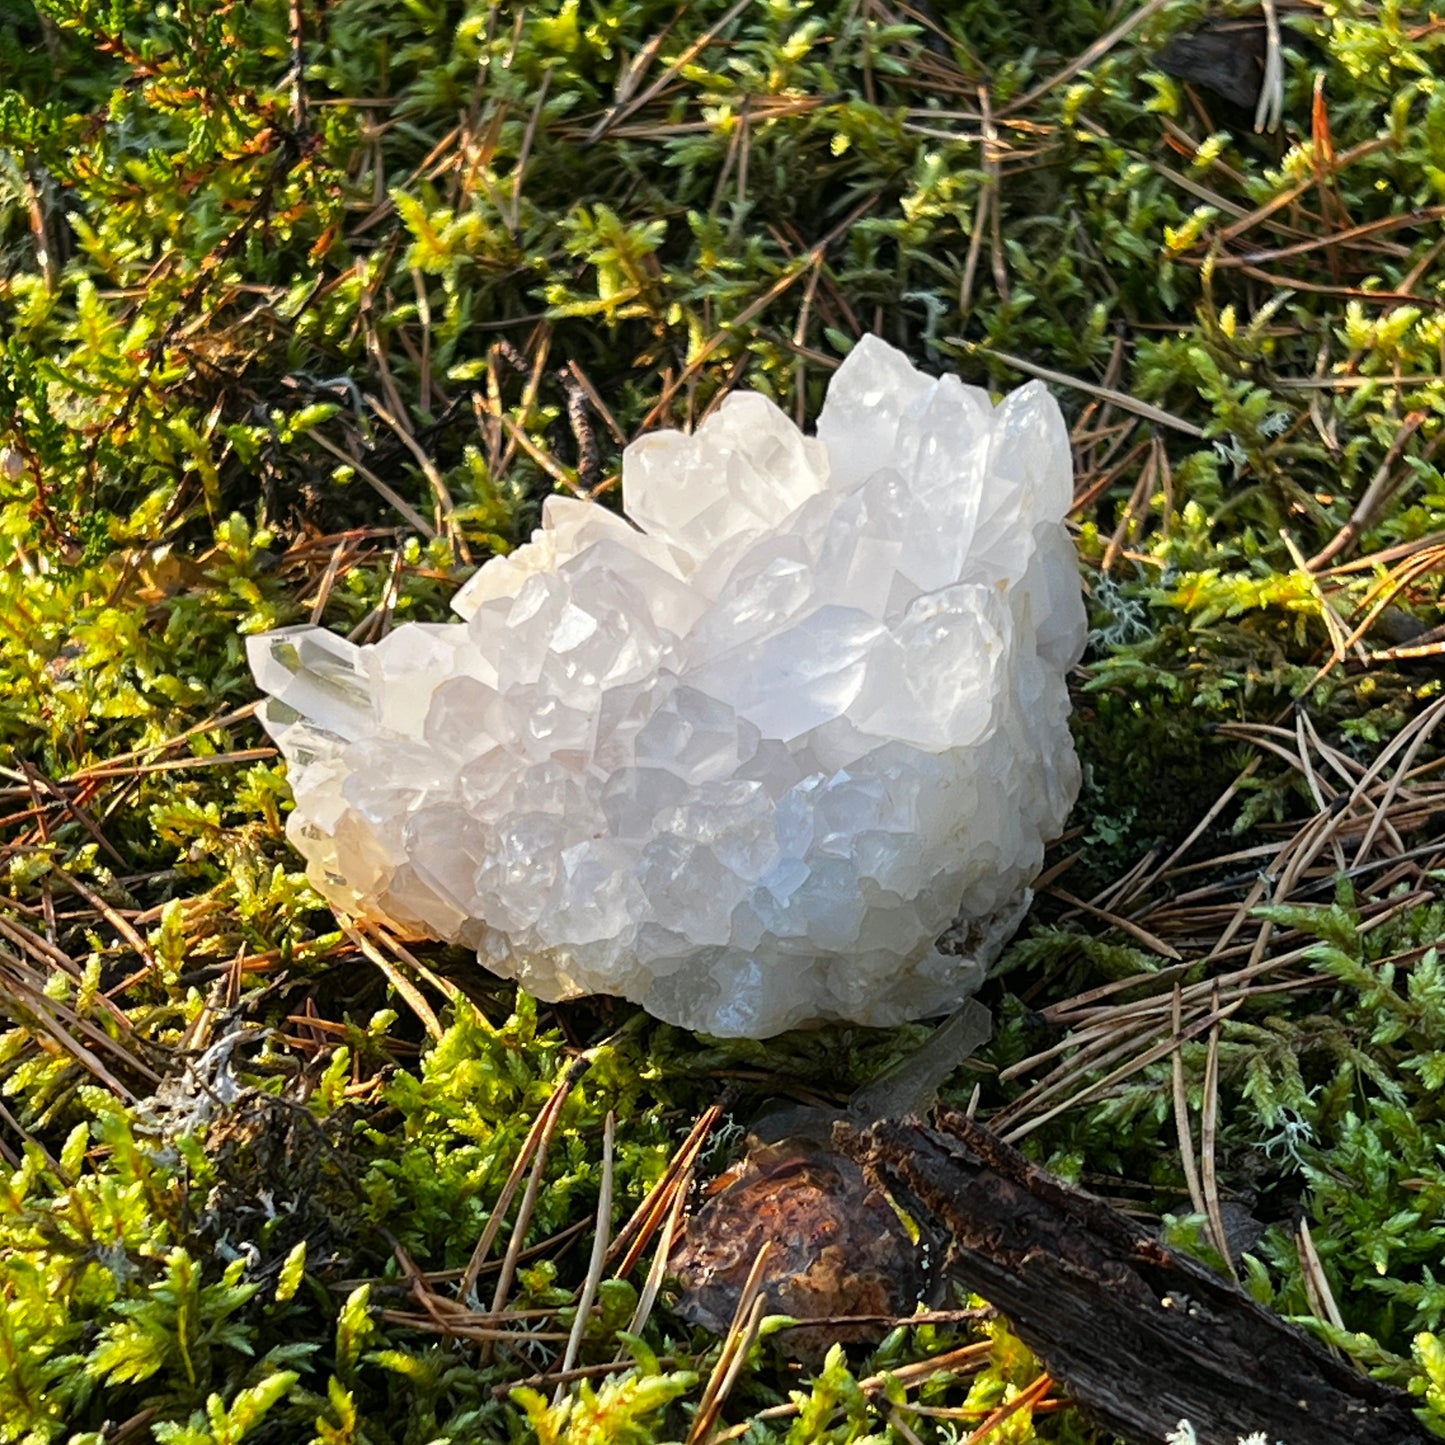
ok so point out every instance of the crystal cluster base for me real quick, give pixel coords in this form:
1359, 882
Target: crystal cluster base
741, 762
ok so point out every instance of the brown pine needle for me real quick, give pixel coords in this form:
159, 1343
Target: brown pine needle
1024, 1400
962, 1362
414, 997
542, 1127
638, 1230
735, 1346
653, 1283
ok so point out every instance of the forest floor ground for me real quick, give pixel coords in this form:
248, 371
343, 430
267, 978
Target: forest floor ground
303, 310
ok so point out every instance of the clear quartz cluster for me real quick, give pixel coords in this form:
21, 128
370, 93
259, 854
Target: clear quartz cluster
741, 759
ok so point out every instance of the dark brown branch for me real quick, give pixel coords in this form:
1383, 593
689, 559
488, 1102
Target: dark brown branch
1142, 1337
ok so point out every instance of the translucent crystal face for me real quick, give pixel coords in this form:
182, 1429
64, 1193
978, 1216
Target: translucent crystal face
745, 764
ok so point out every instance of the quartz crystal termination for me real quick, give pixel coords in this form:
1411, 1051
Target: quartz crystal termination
741, 762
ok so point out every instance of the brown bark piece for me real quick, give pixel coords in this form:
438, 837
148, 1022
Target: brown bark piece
1141, 1336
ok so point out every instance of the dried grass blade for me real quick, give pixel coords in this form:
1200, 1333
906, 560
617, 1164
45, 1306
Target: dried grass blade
1316, 1283
631, 107
1086, 1038
328, 581
178, 765
554, 469
487, 1335
896, 1420
37, 1010
1098, 1047
542, 1127
1081, 62
598, 405
1336, 238
1059, 1013
446, 507
1124, 925
210, 724
443, 986
17, 1128
1200, 828
1132, 511
1324, 796
1294, 192
1382, 485
1121, 399
1134, 1066
738, 1341
653, 1283
987, 193
41, 948
381, 488
1423, 727
1270, 110
519, 170
1181, 1113
1208, 1132
599, 1254
398, 980
116, 920
39, 782
1334, 624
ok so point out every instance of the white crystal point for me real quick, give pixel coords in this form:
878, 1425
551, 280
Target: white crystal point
745, 757
745, 470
